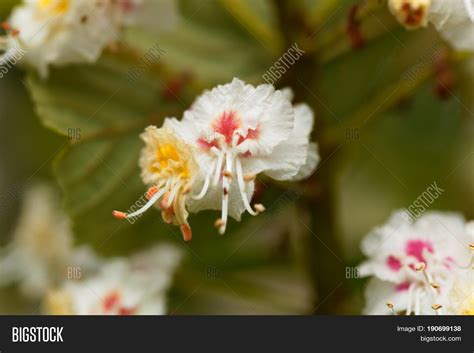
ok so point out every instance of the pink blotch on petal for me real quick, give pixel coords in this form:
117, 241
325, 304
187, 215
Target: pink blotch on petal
207, 145
110, 301
393, 263
126, 311
252, 134
448, 262
402, 286
415, 248
226, 125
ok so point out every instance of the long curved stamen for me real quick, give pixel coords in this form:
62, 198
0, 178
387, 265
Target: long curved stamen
391, 308
226, 180
421, 267
243, 194
417, 301
410, 297
150, 203
206, 182
469, 8
471, 263
173, 193
220, 161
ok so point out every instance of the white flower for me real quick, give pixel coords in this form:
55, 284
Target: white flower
64, 31
41, 249
61, 32
454, 19
411, 13
459, 299
168, 166
123, 287
459, 296
412, 263
239, 131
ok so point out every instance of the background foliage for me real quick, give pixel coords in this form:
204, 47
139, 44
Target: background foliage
388, 125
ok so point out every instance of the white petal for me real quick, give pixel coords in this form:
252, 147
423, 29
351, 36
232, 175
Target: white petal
183, 129
304, 120
284, 162
378, 293
312, 160
275, 123
64, 38
291, 156
288, 93
454, 22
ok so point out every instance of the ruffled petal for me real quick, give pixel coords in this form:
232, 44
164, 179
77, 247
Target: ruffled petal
454, 21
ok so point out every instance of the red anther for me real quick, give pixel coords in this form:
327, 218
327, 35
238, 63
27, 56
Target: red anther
167, 215
6, 26
15, 32
186, 231
414, 17
151, 191
164, 200
126, 311
353, 29
175, 86
119, 215
110, 301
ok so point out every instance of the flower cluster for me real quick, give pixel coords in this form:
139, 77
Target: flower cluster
43, 261
421, 268
42, 245
210, 158
122, 287
454, 19
59, 32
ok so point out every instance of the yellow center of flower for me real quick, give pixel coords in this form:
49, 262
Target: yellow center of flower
468, 309
57, 302
167, 155
54, 6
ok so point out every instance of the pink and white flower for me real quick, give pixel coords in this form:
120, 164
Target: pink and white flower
122, 287
238, 131
42, 249
459, 298
454, 19
412, 263
60, 32
169, 168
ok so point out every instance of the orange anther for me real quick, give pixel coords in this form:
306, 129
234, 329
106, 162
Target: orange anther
151, 191
119, 215
164, 200
186, 231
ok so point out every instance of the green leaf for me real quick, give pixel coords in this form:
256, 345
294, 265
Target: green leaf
213, 45
102, 114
